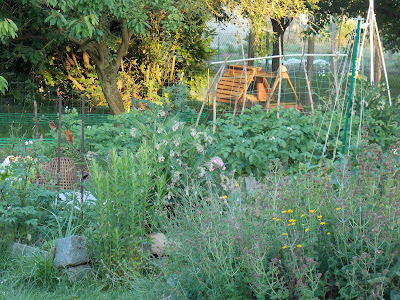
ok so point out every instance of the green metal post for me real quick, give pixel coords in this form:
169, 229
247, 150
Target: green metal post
351, 84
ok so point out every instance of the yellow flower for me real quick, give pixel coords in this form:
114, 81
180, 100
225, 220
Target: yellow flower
292, 220
322, 223
312, 211
320, 217
284, 212
277, 219
237, 184
338, 208
328, 233
284, 233
299, 246
224, 197
290, 211
302, 215
284, 247
307, 229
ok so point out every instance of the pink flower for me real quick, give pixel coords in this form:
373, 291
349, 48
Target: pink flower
217, 161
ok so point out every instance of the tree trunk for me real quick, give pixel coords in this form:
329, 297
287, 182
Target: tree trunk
250, 52
109, 85
267, 44
310, 59
278, 27
107, 66
378, 61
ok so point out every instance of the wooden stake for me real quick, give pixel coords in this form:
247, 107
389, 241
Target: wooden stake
215, 103
245, 89
207, 93
308, 83
59, 138
82, 145
280, 76
36, 119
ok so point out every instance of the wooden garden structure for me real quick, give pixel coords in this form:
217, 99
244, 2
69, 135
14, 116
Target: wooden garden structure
233, 86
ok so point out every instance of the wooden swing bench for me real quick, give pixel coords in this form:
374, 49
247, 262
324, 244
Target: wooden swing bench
233, 84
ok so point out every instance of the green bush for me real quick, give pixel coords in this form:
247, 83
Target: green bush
250, 142
24, 205
137, 189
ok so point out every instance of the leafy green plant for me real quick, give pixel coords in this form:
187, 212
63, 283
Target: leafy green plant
251, 141
22, 201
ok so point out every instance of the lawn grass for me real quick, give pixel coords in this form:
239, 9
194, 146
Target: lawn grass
80, 291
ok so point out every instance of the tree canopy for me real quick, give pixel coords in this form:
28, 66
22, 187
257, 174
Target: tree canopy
104, 29
99, 44
7, 29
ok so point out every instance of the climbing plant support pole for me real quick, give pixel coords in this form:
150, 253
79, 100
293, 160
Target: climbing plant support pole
82, 146
59, 138
351, 85
36, 119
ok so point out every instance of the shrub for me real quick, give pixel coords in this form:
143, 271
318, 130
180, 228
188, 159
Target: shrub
139, 187
24, 205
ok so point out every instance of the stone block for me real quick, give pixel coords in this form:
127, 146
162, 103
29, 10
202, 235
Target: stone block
71, 251
158, 243
78, 273
25, 250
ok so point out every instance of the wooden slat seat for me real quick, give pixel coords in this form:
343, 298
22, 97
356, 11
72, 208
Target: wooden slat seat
233, 84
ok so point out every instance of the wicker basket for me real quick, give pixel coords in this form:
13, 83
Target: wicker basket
68, 174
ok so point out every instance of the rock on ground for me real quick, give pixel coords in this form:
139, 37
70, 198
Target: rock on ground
71, 251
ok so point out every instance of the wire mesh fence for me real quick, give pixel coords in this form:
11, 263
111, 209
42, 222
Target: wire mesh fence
315, 85
229, 44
